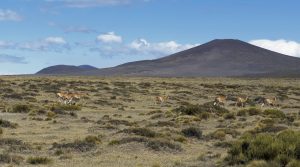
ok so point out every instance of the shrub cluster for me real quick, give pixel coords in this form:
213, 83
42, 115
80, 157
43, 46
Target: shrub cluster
191, 109
281, 148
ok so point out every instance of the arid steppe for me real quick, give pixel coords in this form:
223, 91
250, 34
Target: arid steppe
118, 123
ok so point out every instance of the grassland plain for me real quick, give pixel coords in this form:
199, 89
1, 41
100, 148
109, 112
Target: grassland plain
118, 124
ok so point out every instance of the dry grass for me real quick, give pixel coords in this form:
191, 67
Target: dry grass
119, 124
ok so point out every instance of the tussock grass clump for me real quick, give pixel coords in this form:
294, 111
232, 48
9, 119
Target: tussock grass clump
88, 144
7, 158
162, 124
192, 132
20, 108
262, 163
93, 139
38, 160
14, 145
191, 109
229, 116
64, 107
153, 144
273, 113
7, 124
250, 111
141, 132
282, 148
115, 122
220, 134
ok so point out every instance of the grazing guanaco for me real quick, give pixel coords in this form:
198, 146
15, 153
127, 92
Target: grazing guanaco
241, 101
220, 100
269, 101
161, 99
69, 98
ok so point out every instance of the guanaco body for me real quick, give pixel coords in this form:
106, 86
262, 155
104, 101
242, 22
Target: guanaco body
220, 100
269, 101
241, 101
161, 99
69, 98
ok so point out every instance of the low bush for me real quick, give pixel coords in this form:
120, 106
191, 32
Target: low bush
141, 132
281, 148
7, 124
65, 107
153, 144
250, 111
273, 113
20, 108
88, 144
229, 116
192, 132
191, 109
38, 160
7, 158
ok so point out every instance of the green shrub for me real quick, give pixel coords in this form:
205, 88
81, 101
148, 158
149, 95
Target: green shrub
273, 113
65, 107
38, 160
229, 116
192, 132
281, 148
191, 109
293, 163
93, 139
141, 132
7, 124
20, 108
242, 112
78, 145
7, 158
253, 111
262, 163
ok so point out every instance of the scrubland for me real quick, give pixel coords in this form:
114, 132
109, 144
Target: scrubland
117, 123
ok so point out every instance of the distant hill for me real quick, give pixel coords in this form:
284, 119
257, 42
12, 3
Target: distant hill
223, 57
65, 70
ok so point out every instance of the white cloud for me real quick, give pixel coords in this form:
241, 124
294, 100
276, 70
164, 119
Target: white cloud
110, 37
161, 48
55, 40
55, 44
6, 44
94, 3
9, 15
5, 58
142, 48
286, 47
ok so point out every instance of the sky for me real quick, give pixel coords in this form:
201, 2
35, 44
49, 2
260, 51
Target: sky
39, 33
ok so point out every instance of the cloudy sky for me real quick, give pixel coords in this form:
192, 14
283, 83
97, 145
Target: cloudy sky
38, 33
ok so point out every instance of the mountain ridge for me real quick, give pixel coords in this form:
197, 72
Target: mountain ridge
220, 57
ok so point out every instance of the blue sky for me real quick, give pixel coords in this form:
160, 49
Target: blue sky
38, 33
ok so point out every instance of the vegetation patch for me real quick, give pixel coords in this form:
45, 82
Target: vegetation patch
88, 144
64, 107
20, 108
153, 144
273, 113
191, 109
141, 132
14, 145
7, 158
7, 124
281, 148
192, 132
38, 160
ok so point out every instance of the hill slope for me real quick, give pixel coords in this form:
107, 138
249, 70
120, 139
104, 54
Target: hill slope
65, 70
216, 58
